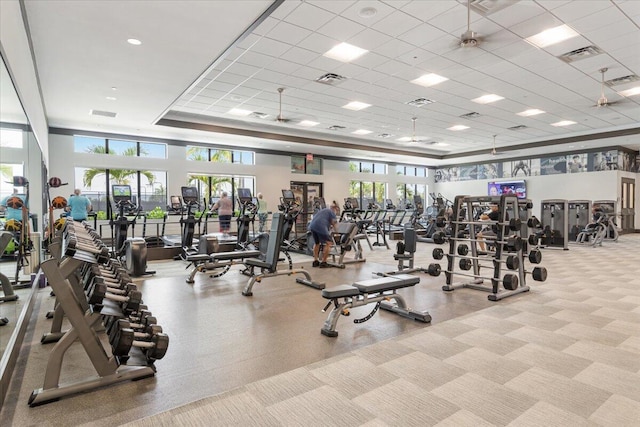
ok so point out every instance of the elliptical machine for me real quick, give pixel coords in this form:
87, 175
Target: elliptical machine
246, 219
291, 209
190, 198
131, 251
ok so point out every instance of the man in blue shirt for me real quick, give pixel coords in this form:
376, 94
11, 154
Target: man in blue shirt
320, 225
78, 206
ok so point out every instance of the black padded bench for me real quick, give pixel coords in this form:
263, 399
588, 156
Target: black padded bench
365, 292
217, 260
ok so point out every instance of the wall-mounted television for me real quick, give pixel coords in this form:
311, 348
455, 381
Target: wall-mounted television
517, 188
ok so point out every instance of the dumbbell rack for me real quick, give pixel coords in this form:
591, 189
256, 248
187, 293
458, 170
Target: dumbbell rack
462, 208
84, 323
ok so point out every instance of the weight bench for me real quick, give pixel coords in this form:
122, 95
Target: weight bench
268, 265
364, 292
218, 260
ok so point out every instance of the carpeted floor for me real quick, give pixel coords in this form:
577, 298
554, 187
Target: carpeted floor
565, 353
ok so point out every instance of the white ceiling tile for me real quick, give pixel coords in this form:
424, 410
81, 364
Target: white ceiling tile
568, 46
626, 46
425, 10
394, 48
454, 20
350, 70
590, 66
397, 23
324, 63
309, 16
421, 34
318, 43
578, 9
535, 25
267, 46
285, 67
516, 13
255, 59
335, 6
341, 29
285, 9
289, 33
615, 31
370, 60
552, 4
299, 55
416, 56
369, 39
353, 12
597, 20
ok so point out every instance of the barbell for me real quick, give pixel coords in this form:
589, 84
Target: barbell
512, 243
512, 261
513, 224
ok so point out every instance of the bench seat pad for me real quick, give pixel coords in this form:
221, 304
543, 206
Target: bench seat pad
340, 291
387, 283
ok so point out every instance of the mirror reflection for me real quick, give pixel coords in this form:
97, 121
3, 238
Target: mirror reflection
20, 165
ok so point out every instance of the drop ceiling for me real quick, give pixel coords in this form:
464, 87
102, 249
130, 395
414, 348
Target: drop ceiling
199, 60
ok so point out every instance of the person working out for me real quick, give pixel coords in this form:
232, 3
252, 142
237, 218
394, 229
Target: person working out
262, 213
335, 208
320, 228
224, 206
492, 232
78, 206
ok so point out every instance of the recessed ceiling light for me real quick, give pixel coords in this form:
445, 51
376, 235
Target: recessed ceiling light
362, 132
631, 92
404, 139
239, 112
114, 88
458, 127
563, 123
429, 80
367, 12
487, 99
530, 112
308, 123
111, 98
440, 144
134, 42
345, 52
356, 106
552, 36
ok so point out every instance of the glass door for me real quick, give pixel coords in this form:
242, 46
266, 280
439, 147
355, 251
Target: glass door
305, 193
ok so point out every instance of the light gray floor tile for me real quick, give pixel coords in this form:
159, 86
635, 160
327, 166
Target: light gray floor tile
464, 418
563, 304
631, 344
542, 337
549, 359
451, 328
423, 370
321, 405
618, 411
627, 316
499, 326
499, 344
559, 391
612, 379
383, 352
605, 354
538, 321
435, 345
402, 403
584, 332
582, 318
284, 386
544, 414
493, 402
629, 328
489, 365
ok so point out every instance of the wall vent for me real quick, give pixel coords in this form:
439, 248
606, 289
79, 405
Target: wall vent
583, 52
330, 79
102, 113
259, 115
420, 102
472, 115
487, 7
622, 80
336, 127
518, 127
385, 135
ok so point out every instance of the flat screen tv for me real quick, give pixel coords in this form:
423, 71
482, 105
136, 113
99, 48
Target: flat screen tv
517, 188
287, 196
244, 195
189, 194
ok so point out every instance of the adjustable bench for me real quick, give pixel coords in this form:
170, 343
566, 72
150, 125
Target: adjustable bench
218, 260
378, 291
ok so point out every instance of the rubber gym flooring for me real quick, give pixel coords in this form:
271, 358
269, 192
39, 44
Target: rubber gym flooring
566, 353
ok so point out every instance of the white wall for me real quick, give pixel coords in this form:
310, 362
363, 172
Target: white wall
14, 45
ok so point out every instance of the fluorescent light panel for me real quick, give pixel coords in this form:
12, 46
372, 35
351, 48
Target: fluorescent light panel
552, 36
308, 123
429, 80
356, 106
345, 52
239, 112
404, 139
134, 42
530, 112
362, 132
458, 127
487, 99
563, 123
631, 92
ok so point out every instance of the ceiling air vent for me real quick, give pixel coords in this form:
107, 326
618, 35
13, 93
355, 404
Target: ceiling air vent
420, 102
621, 80
472, 115
259, 115
102, 113
385, 135
583, 52
330, 79
487, 7
336, 127
518, 127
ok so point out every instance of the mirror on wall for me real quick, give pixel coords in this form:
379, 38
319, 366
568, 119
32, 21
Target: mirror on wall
20, 156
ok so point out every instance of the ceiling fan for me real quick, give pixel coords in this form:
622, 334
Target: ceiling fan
280, 118
469, 38
494, 150
415, 138
603, 101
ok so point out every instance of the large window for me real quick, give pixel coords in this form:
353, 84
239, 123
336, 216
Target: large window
212, 186
8, 171
10, 138
368, 167
418, 171
87, 144
203, 154
405, 194
149, 188
364, 191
